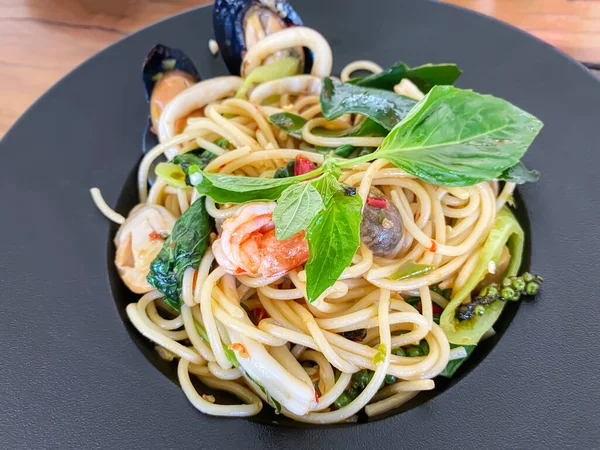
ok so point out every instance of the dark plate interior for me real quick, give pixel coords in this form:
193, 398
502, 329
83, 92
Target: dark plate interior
71, 376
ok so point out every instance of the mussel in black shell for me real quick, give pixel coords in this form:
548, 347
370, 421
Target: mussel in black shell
239, 24
166, 72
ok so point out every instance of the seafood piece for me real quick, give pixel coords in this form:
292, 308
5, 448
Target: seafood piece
240, 24
138, 241
381, 226
248, 246
166, 72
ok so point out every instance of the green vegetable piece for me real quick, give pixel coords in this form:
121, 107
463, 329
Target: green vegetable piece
327, 186
491, 291
424, 77
424, 346
228, 352
222, 142
532, 288
172, 174
333, 238
446, 293
345, 398
235, 189
361, 378
455, 137
506, 231
270, 400
414, 350
527, 277
519, 284
384, 107
292, 124
398, 351
508, 293
479, 310
184, 248
389, 379
411, 269
196, 157
285, 171
380, 355
295, 210
169, 64
279, 69
453, 365
344, 151
506, 282
519, 174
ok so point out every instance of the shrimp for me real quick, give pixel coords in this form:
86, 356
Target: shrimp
248, 246
138, 241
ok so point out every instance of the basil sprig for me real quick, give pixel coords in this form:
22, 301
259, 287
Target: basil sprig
456, 137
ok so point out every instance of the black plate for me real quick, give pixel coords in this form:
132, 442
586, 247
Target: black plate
70, 374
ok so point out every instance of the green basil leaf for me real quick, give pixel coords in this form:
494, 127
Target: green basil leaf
285, 171
234, 189
384, 107
184, 248
292, 124
424, 77
327, 186
519, 174
455, 137
296, 208
411, 269
453, 365
333, 238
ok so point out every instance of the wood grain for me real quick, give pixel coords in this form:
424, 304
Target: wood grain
76, 29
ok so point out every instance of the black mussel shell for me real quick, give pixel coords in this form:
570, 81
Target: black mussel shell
163, 59
228, 25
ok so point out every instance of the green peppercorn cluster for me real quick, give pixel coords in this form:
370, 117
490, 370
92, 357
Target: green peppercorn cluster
363, 377
510, 289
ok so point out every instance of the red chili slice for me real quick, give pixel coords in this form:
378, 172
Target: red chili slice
433, 247
434, 308
303, 165
316, 397
377, 202
154, 236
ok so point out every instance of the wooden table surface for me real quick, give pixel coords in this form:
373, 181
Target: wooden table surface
76, 29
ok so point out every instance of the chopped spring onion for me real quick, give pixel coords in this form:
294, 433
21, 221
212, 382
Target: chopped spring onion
285, 67
411, 269
173, 174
